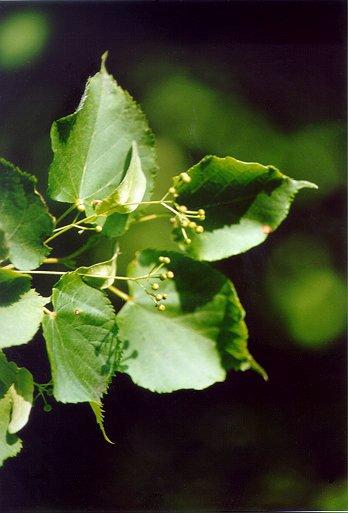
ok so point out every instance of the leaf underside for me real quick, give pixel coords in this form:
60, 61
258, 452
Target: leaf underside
25, 222
82, 342
244, 202
16, 397
200, 335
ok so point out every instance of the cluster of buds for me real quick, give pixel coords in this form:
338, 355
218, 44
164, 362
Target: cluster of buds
156, 274
184, 219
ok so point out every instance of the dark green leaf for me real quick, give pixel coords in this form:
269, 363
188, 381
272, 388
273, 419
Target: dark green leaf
244, 202
24, 219
12, 286
200, 334
82, 342
10, 444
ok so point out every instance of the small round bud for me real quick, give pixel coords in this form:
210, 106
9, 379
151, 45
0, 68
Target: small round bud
170, 274
47, 408
166, 260
155, 286
172, 220
172, 190
161, 308
184, 224
199, 229
98, 228
159, 297
161, 259
202, 217
188, 241
182, 208
94, 203
201, 212
176, 195
185, 177
163, 277
192, 225
77, 312
80, 207
164, 296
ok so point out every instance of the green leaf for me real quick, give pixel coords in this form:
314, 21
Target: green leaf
7, 374
20, 320
199, 335
244, 202
98, 411
82, 341
25, 222
91, 146
10, 444
21, 393
16, 397
95, 274
12, 286
127, 196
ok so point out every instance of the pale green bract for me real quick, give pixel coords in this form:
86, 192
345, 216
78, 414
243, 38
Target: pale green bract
244, 203
82, 341
21, 393
100, 275
200, 335
127, 196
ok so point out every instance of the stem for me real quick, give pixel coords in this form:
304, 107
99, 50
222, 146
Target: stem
119, 293
151, 217
67, 212
51, 261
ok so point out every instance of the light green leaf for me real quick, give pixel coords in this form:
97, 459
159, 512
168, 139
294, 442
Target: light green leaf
244, 202
199, 335
95, 274
82, 341
16, 395
127, 196
25, 222
98, 411
12, 286
21, 393
91, 146
20, 320
10, 444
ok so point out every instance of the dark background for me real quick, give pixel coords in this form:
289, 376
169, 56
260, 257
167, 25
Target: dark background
268, 79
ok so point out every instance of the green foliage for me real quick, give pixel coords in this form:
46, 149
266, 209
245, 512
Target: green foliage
16, 397
82, 342
243, 204
24, 219
182, 325
200, 334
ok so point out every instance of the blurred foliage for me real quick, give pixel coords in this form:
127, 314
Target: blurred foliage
308, 295
333, 497
23, 37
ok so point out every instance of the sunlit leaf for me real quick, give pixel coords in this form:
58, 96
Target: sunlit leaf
82, 341
21, 393
98, 411
200, 334
91, 146
244, 202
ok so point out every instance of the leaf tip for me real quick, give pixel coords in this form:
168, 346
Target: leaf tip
103, 60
